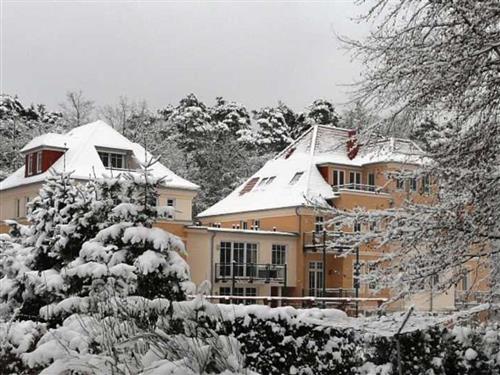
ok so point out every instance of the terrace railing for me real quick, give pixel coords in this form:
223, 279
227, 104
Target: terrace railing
334, 241
360, 187
250, 272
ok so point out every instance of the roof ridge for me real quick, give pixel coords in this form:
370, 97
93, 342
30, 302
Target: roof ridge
311, 156
293, 143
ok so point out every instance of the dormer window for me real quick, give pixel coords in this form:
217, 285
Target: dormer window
39, 162
296, 178
30, 164
113, 160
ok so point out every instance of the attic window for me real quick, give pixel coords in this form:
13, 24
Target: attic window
289, 152
113, 160
295, 178
249, 186
265, 181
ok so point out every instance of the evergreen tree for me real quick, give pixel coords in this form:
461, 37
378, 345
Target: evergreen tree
83, 237
274, 131
193, 123
296, 122
231, 119
321, 112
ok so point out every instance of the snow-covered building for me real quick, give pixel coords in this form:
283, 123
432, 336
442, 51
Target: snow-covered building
265, 237
92, 150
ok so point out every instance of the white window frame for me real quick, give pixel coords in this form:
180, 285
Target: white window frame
256, 224
372, 285
413, 182
281, 252
315, 274
356, 227
30, 164
319, 224
465, 282
109, 156
370, 174
39, 162
26, 201
174, 202
426, 184
354, 179
337, 173
400, 184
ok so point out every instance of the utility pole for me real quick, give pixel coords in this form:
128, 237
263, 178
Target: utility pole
233, 279
356, 280
324, 268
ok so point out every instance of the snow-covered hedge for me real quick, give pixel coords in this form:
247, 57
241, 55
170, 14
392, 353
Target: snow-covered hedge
148, 337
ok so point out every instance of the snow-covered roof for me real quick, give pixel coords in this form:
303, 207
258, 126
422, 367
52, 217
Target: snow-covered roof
317, 146
83, 159
243, 231
50, 140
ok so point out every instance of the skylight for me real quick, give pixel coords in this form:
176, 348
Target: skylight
263, 181
249, 185
270, 179
295, 178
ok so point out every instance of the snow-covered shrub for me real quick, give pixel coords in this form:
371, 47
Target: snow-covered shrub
84, 237
17, 338
135, 335
464, 350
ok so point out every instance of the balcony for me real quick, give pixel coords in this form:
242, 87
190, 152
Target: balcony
332, 292
361, 188
335, 242
250, 272
469, 298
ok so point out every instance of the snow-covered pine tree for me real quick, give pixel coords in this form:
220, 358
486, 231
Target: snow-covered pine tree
434, 66
274, 132
230, 118
295, 121
321, 112
131, 255
192, 121
97, 235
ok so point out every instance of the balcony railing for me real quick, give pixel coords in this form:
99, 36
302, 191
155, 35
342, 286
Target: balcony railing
332, 292
470, 298
334, 241
250, 272
360, 187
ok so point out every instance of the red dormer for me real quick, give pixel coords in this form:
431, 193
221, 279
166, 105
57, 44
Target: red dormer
40, 160
42, 152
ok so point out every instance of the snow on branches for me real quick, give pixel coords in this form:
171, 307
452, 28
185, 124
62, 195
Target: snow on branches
434, 65
83, 237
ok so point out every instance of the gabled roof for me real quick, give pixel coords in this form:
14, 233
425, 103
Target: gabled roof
81, 156
319, 145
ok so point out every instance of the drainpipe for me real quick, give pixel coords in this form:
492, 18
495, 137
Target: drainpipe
212, 278
301, 242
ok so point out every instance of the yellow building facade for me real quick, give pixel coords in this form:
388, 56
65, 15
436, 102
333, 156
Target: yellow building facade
266, 237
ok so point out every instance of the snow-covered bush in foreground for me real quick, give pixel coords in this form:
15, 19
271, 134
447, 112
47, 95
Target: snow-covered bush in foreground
136, 335
84, 237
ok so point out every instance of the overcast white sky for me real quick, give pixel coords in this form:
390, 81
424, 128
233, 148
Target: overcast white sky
253, 52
